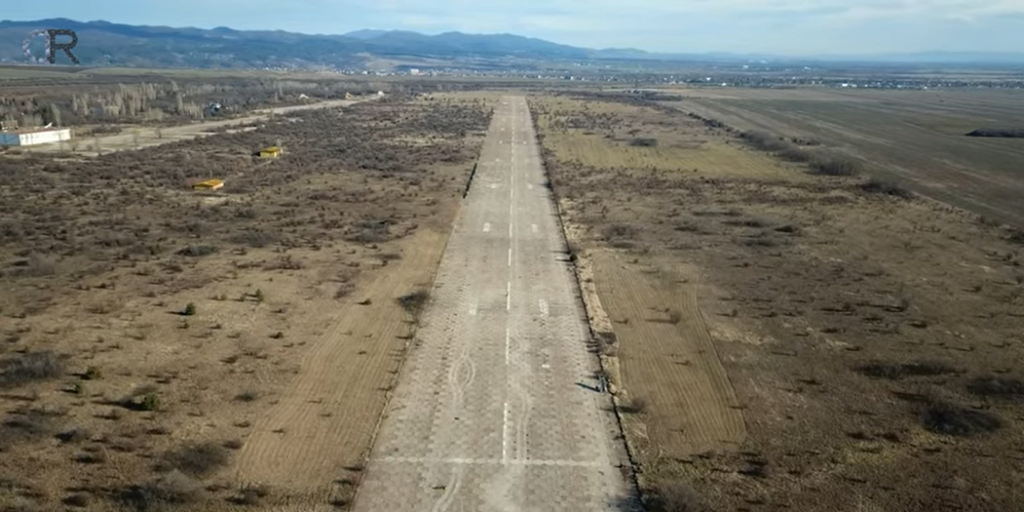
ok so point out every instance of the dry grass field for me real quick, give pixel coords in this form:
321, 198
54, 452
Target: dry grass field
164, 348
916, 137
781, 339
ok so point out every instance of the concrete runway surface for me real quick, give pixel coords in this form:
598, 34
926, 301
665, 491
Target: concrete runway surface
497, 407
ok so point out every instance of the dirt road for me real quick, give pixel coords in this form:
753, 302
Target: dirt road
498, 407
141, 138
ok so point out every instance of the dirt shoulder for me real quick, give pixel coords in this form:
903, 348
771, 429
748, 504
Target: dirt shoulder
784, 339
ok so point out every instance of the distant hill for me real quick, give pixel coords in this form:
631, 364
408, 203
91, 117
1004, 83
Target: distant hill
102, 43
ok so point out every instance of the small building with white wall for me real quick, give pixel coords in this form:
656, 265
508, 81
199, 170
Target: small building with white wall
30, 137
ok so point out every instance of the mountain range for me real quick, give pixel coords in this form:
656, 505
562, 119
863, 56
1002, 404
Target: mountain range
101, 43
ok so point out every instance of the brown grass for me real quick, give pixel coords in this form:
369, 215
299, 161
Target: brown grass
858, 332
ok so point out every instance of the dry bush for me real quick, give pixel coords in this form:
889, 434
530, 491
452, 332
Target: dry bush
197, 459
645, 142
942, 417
886, 188
896, 371
765, 141
619, 232
28, 426
413, 302
835, 165
173, 490
31, 367
250, 495
795, 154
674, 497
635, 406
997, 386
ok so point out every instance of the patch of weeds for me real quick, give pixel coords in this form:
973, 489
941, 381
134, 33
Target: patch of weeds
674, 497
344, 290
644, 142
635, 406
751, 222
997, 386
80, 500
619, 232
30, 425
250, 495
248, 396
835, 165
73, 436
951, 419
171, 490
234, 444
31, 367
198, 250
886, 188
413, 302
92, 373
142, 399
896, 371
197, 459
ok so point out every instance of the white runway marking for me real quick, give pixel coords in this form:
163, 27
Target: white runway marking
487, 226
508, 344
494, 185
524, 462
544, 308
508, 296
472, 309
510, 256
529, 186
504, 436
533, 227
510, 230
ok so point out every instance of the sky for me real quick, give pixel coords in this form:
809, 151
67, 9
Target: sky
779, 27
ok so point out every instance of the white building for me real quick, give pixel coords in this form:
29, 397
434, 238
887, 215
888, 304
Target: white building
30, 137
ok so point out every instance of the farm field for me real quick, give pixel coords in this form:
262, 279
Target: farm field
915, 137
164, 347
779, 339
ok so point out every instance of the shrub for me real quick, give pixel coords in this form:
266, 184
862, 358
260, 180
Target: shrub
413, 302
248, 396
198, 250
190, 309
886, 188
30, 367
174, 489
896, 371
794, 154
764, 141
644, 142
955, 420
998, 386
835, 166
92, 373
197, 459
250, 495
674, 497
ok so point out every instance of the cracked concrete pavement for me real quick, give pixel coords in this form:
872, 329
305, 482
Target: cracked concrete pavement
496, 408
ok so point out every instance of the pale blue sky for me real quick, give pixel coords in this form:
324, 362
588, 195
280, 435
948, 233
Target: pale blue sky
787, 27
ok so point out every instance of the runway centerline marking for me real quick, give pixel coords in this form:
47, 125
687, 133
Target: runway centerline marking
487, 227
